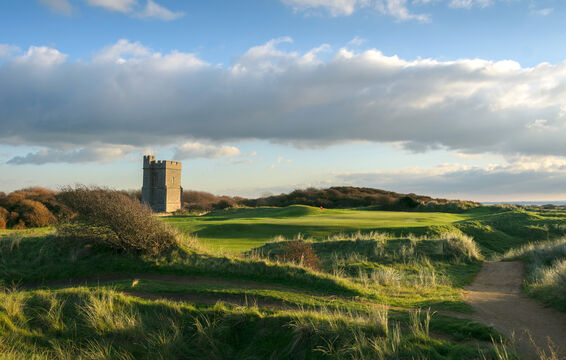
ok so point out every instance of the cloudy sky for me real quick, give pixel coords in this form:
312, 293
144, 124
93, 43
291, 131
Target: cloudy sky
452, 98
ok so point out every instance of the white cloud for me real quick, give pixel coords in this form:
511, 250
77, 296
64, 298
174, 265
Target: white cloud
542, 12
193, 149
42, 56
130, 95
468, 4
123, 6
7, 50
95, 153
357, 41
518, 178
398, 9
130, 7
122, 50
281, 160
59, 6
153, 10
402, 10
334, 7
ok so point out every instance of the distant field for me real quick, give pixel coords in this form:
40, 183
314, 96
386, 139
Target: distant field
237, 230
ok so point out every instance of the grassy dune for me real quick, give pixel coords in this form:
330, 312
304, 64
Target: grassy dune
380, 290
237, 230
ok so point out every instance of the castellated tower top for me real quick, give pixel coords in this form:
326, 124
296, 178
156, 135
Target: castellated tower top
162, 184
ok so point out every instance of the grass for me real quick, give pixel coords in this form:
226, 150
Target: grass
546, 270
242, 229
82, 323
384, 281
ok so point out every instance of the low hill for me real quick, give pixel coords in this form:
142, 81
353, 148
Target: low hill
336, 197
349, 197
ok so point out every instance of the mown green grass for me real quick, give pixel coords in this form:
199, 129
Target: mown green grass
237, 230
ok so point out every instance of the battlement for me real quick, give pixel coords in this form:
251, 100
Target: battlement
150, 162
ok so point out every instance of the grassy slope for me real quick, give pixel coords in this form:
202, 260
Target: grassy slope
43, 322
239, 230
35, 256
84, 324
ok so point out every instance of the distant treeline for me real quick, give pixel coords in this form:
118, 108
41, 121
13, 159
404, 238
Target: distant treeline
332, 198
36, 206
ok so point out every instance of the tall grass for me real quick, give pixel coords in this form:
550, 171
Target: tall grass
546, 270
101, 324
460, 246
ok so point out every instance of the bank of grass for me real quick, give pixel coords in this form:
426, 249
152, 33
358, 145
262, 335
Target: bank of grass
48, 258
425, 271
546, 270
330, 312
242, 229
83, 323
495, 229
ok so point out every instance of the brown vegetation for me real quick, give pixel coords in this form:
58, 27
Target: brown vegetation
3, 217
116, 220
203, 201
31, 207
334, 197
349, 197
299, 252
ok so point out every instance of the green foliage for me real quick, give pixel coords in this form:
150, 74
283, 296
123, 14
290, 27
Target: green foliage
115, 220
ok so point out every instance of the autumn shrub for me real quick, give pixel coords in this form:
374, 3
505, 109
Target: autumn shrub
35, 214
3, 217
299, 252
203, 201
116, 220
33, 207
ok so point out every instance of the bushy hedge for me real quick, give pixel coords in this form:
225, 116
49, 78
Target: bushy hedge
114, 219
31, 207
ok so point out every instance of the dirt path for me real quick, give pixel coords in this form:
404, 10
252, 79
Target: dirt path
496, 296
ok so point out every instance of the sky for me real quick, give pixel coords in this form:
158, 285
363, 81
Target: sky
461, 99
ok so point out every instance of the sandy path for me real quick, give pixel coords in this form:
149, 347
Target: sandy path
496, 296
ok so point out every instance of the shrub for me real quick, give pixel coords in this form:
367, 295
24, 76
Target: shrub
3, 217
299, 252
34, 213
203, 201
116, 220
33, 207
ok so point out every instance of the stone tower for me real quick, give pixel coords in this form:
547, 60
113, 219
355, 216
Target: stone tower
162, 184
